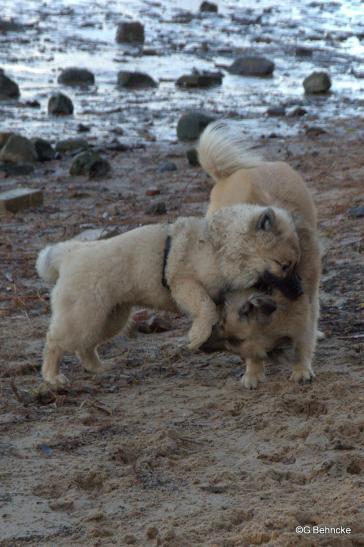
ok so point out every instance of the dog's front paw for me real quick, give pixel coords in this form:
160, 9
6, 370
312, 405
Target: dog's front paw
302, 375
197, 336
57, 380
251, 381
320, 335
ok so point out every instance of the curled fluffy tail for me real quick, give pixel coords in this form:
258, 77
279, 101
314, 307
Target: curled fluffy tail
222, 150
50, 258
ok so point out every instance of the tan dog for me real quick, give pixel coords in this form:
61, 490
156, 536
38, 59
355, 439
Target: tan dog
241, 176
185, 265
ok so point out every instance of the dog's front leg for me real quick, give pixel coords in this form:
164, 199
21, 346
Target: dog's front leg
254, 373
193, 299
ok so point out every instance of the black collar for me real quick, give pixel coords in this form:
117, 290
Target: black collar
167, 249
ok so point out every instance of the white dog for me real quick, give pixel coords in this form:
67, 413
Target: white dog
183, 266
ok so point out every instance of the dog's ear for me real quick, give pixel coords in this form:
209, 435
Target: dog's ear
267, 220
261, 305
264, 304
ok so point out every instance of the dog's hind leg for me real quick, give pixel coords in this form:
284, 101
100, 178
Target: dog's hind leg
52, 356
113, 324
90, 360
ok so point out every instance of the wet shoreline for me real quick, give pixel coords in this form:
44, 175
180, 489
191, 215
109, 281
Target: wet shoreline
65, 33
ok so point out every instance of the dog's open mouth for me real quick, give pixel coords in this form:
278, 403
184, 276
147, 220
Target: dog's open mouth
290, 285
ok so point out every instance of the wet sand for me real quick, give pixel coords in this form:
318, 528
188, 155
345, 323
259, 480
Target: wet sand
166, 438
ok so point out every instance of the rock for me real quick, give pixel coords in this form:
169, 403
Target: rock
192, 157
18, 149
20, 198
91, 164
71, 145
167, 167
314, 131
81, 128
152, 192
191, 124
8, 88
317, 83
158, 208
44, 150
96, 234
131, 32
276, 111
356, 212
32, 104
252, 66
4, 137
152, 532
61, 505
130, 539
198, 78
296, 112
208, 6
15, 170
135, 80
74, 76
153, 324
60, 105
302, 51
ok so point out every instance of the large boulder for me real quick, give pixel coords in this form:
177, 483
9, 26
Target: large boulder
18, 149
135, 80
74, 76
8, 88
198, 78
252, 65
191, 124
131, 32
60, 105
317, 83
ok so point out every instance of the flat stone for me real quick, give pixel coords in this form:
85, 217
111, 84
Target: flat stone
17, 169
131, 32
71, 145
74, 76
252, 65
20, 198
168, 166
356, 212
202, 79
96, 234
276, 111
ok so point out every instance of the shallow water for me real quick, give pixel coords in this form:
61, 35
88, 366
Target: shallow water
67, 33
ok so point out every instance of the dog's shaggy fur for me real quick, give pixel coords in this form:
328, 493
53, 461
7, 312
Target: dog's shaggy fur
97, 283
241, 176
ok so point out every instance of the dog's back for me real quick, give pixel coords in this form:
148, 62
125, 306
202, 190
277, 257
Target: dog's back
242, 176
